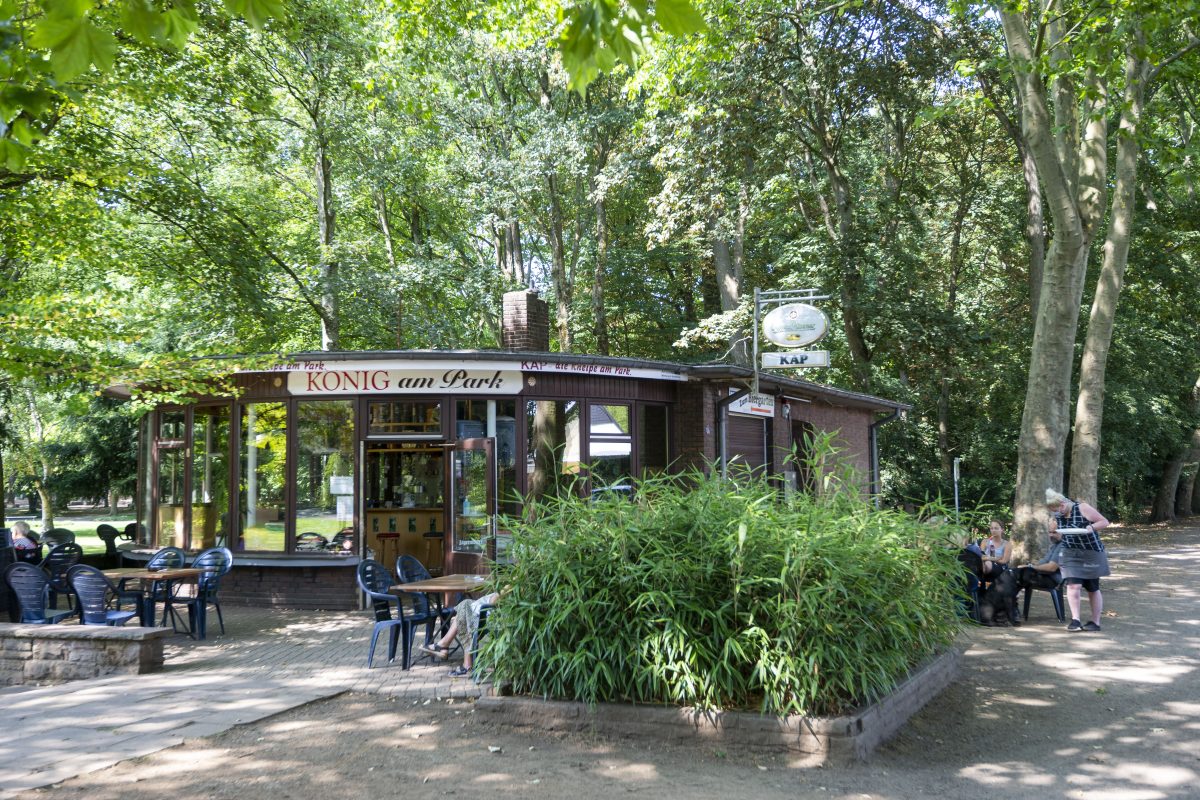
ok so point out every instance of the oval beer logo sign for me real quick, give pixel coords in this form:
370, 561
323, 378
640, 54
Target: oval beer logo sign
795, 325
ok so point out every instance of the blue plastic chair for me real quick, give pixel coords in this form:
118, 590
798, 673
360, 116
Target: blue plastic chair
408, 570
57, 563
216, 563
166, 558
29, 582
96, 594
374, 581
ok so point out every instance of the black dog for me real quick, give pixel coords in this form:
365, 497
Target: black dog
999, 603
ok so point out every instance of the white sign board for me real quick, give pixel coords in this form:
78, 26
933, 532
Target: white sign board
756, 405
795, 325
795, 359
410, 381
341, 484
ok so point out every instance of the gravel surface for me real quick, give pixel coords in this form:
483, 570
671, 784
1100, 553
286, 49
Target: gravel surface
1036, 712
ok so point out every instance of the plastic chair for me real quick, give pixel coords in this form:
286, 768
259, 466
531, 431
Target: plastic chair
57, 563
28, 582
96, 595
216, 563
480, 632
408, 570
310, 542
1056, 595
166, 558
109, 535
56, 536
374, 581
33, 555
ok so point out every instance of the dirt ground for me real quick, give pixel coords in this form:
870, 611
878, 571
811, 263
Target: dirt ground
1036, 712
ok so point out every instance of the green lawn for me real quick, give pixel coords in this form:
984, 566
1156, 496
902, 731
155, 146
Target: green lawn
83, 525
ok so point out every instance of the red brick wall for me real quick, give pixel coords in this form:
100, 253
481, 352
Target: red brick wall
526, 324
316, 588
852, 426
695, 426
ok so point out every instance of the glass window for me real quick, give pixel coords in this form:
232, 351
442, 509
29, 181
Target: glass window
471, 422
404, 418
210, 477
171, 425
653, 436
610, 445
324, 472
171, 466
262, 477
552, 446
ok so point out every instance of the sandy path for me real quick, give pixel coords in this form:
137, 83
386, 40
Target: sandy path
1036, 712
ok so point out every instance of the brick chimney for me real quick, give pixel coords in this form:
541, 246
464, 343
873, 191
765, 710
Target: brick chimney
526, 322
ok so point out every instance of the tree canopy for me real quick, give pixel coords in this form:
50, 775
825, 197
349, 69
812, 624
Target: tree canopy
180, 180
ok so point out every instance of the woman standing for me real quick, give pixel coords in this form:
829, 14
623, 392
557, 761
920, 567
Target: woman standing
1084, 561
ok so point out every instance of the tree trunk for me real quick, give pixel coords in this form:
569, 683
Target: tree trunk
1044, 423
1089, 409
1035, 227
327, 263
114, 498
43, 491
1168, 485
729, 288
599, 315
563, 290
516, 259
383, 215
1187, 488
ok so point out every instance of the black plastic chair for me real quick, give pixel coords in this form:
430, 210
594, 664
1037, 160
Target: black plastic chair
310, 542
167, 558
57, 563
1056, 595
109, 535
56, 536
97, 595
374, 580
28, 582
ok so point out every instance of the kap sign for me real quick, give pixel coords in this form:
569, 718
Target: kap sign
795, 325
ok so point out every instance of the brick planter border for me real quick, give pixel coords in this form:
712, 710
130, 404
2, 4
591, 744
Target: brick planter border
825, 740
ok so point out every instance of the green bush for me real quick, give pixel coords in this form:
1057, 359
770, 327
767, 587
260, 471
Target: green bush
715, 594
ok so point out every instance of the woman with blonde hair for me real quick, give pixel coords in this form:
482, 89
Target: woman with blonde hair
1084, 561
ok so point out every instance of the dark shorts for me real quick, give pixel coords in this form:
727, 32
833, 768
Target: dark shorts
1088, 584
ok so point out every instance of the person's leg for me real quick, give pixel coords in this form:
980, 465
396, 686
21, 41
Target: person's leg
1073, 599
1097, 602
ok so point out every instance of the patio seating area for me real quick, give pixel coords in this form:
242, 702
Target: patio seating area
269, 661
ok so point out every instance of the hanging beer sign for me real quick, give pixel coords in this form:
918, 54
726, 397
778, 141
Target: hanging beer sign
795, 325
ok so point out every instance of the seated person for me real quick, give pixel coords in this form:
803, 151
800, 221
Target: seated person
996, 551
1045, 574
463, 626
24, 542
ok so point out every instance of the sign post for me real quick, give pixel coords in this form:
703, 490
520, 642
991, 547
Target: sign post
792, 322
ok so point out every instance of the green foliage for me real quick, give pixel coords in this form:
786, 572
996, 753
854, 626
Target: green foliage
718, 595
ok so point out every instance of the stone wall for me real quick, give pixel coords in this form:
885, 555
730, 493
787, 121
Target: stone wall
60, 653
837, 740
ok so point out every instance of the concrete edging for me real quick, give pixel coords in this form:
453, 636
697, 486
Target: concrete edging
828, 740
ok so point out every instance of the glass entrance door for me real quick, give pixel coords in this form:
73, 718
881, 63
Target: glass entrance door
473, 497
